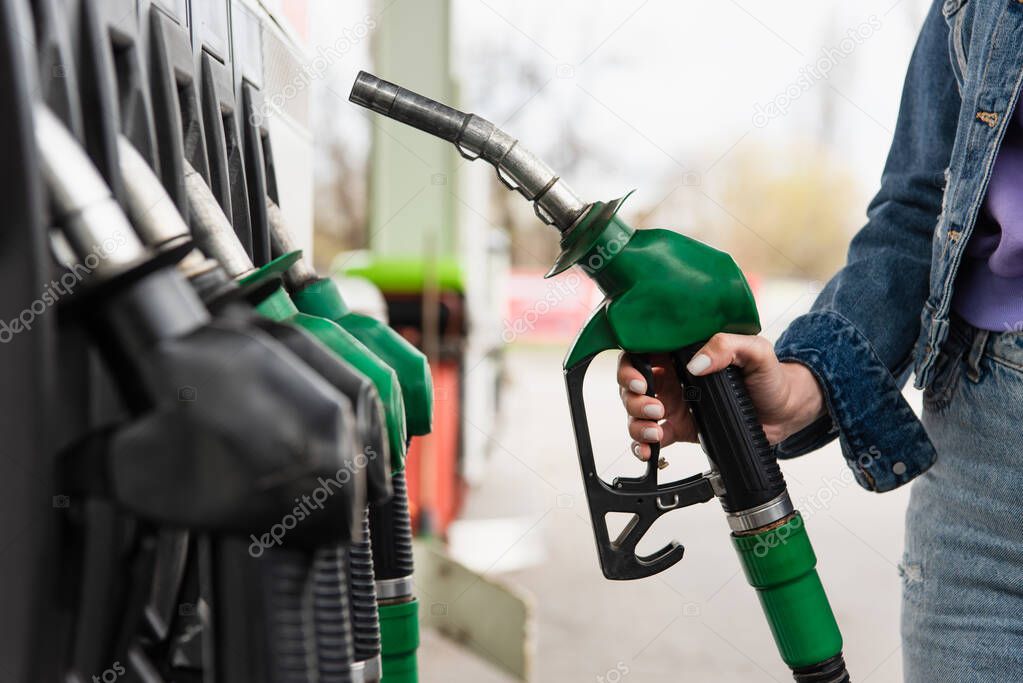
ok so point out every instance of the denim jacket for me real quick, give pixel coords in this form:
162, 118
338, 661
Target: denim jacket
886, 313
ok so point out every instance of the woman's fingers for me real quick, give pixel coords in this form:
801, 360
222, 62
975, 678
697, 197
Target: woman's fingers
787, 396
645, 431
629, 378
664, 419
680, 427
643, 407
633, 388
641, 450
745, 351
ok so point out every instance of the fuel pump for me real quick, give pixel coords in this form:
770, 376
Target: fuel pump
213, 234
268, 429
326, 574
390, 523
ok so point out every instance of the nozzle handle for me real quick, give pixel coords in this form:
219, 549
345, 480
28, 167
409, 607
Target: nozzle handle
643, 498
642, 362
733, 438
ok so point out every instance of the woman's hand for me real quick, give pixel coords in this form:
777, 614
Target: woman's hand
786, 395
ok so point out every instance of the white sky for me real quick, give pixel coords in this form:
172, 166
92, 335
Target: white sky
658, 86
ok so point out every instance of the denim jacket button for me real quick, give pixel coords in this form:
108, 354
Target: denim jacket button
988, 117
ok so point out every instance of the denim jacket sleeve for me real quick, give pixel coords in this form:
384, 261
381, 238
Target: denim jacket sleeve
858, 338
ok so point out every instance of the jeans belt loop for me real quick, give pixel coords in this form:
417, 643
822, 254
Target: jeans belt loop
977, 347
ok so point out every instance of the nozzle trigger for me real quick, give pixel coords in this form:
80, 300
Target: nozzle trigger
641, 497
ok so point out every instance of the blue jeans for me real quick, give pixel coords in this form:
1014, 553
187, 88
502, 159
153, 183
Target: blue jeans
962, 573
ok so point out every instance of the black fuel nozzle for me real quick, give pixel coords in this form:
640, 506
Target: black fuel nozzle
229, 427
327, 587
354, 561
160, 226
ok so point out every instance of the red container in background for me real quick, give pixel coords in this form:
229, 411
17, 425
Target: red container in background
435, 486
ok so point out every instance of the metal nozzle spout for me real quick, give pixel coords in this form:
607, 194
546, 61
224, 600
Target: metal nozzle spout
153, 212
90, 218
212, 229
301, 273
518, 168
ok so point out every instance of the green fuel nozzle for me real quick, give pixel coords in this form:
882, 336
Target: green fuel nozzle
321, 297
215, 236
665, 293
158, 224
390, 522
294, 620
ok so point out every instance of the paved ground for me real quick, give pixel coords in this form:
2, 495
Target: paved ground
698, 621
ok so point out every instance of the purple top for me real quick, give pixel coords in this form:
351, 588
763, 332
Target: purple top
989, 287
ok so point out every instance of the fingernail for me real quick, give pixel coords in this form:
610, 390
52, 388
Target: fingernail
635, 449
637, 386
651, 434
699, 364
654, 410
